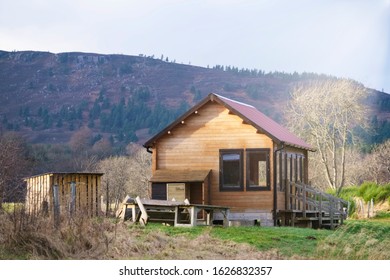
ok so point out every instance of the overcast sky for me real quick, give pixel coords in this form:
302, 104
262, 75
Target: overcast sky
344, 38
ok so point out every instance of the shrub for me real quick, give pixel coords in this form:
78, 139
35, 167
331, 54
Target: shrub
366, 191
370, 190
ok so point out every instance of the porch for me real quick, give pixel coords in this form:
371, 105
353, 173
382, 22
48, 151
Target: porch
308, 207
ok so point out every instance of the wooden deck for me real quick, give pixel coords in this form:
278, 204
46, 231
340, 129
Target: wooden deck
308, 207
180, 214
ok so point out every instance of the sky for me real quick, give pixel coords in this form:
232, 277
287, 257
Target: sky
342, 38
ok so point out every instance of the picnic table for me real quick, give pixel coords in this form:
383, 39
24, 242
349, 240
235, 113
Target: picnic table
178, 213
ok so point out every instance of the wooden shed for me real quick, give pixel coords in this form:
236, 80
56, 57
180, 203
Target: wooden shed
224, 152
67, 192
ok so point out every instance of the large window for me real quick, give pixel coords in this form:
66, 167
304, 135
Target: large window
257, 169
231, 170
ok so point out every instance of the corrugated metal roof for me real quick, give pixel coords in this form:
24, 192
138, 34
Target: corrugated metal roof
250, 115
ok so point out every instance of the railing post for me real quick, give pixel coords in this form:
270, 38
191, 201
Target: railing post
331, 210
294, 191
287, 196
342, 213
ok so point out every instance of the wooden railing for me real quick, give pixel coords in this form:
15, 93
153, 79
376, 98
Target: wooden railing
306, 199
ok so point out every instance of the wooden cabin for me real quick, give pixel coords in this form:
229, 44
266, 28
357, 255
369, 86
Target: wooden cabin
227, 153
67, 192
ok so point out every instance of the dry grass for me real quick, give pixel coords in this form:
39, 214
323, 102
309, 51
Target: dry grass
136, 243
24, 237
82, 238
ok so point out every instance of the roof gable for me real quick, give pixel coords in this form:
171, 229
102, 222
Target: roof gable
249, 114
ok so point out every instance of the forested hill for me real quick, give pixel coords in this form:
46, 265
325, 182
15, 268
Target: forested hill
48, 97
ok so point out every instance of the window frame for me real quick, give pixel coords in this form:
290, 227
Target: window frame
241, 170
250, 187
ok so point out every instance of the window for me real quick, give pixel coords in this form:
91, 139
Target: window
258, 170
159, 191
231, 170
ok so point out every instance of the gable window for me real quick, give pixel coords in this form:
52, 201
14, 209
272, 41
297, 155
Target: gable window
231, 170
258, 169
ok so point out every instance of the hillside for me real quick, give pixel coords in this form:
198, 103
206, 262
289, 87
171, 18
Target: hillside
47, 97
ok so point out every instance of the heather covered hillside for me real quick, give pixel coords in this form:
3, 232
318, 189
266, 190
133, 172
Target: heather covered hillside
48, 97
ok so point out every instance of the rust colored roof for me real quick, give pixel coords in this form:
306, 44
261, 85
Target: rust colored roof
250, 115
179, 176
264, 123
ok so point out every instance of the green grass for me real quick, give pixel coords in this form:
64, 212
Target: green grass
288, 241
382, 217
298, 242
190, 232
356, 239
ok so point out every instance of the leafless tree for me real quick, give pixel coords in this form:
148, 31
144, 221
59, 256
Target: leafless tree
378, 163
140, 169
356, 169
81, 140
325, 113
14, 164
83, 157
102, 148
125, 175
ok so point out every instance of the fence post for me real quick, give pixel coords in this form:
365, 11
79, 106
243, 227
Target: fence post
72, 198
287, 195
304, 200
56, 202
320, 211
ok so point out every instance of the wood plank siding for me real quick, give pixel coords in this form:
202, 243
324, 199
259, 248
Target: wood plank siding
39, 197
251, 157
195, 144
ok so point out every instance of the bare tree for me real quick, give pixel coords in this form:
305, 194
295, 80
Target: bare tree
81, 140
14, 163
125, 175
140, 169
115, 179
325, 113
378, 163
357, 168
83, 157
102, 148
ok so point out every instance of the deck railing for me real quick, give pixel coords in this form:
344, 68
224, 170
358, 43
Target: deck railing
306, 199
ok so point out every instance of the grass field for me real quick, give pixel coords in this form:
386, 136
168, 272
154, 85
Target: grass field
104, 239
356, 239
